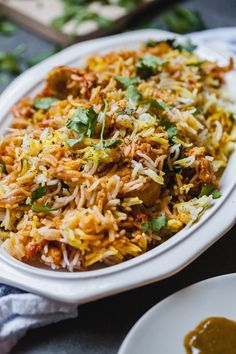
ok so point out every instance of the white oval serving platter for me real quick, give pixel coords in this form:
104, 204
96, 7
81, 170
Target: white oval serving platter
161, 262
162, 329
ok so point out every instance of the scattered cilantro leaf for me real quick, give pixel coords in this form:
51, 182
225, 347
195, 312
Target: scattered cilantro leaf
111, 144
232, 117
72, 142
78, 12
158, 104
84, 121
11, 62
170, 128
155, 224
198, 111
41, 208
127, 81
38, 193
149, 65
44, 103
216, 194
209, 189
183, 20
7, 28
126, 110
152, 43
187, 46
133, 94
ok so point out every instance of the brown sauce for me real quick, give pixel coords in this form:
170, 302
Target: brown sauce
214, 335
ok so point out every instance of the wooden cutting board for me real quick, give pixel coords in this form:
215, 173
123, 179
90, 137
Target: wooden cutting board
37, 15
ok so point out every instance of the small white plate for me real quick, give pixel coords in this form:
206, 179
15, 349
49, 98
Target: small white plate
163, 328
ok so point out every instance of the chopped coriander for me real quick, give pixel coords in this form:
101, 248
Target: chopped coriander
44, 103
126, 110
9, 63
152, 43
149, 65
111, 144
216, 194
170, 128
7, 28
84, 121
155, 224
133, 94
41, 208
232, 116
187, 46
126, 81
38, 193
209, 189
197, 111
78, 12
73, 142
158, 104
183, 20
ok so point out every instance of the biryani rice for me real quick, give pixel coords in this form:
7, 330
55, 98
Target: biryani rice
112, 159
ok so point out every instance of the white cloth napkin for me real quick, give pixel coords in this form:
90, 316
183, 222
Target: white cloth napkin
20, 311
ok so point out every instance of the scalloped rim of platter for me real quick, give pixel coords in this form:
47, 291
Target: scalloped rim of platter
30, 82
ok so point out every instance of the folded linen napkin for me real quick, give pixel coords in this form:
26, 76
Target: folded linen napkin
20, 311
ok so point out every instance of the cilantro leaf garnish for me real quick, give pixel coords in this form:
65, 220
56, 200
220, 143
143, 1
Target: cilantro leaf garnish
44, 103
158, 104
38, 193
126, 110
111, 144
78, 11
72, 142
42, 208
187, 46
152, 43
149, 65
216, 194
197, 111
209, 189
155, 224
84, 121
232, 117
170, 128
133, 94
7, 28
9, 62
183, 20
127, 81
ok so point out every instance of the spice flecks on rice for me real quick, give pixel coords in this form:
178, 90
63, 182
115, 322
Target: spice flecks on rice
112, 159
